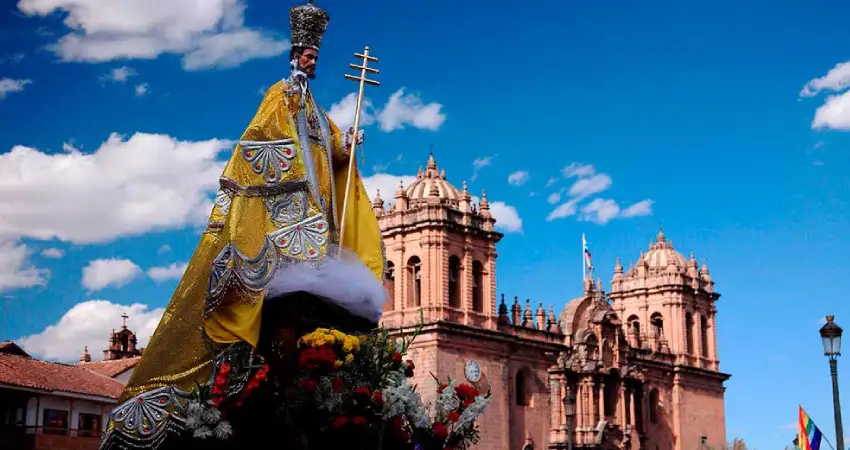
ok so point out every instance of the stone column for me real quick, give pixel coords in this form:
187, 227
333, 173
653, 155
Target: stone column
699, 356
712, 340
621, 405
602, 400
632, 415
554, 400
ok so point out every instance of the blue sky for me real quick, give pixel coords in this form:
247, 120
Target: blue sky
114, 123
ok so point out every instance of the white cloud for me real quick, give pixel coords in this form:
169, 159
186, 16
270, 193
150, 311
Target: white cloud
400, 110
551, 181
88, 324
121, 74
52, 253
587, 184
837, 79
8, 85
641, 208
578, 170
164, 249
208, 34
585, 187
173, 271
563, 210
834, 113
342, 112
132, 186
602, 211
507, 217
114, 272
518, 178
141, 89
387, 184
480, 163
16, 271
69, 147
407, 109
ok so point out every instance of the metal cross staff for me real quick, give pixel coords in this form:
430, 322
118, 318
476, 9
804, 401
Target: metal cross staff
352, 156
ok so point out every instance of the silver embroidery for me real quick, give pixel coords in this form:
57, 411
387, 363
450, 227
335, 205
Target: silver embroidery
253, 274
266, 190
287, 209
304, 238
223, 200
269, 158
147, 414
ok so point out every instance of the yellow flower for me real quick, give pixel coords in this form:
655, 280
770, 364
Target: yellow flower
337, 364
350, 344
349, 358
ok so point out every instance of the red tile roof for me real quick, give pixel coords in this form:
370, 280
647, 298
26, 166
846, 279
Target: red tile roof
111, 368
12, 348
55, 378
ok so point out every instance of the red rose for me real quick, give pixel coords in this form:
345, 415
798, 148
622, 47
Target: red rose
339, 422
408, 370
379, 398
359, 420
337, 384
453, 416
362, 391
466, 392
440, 430
396, 357
441, 387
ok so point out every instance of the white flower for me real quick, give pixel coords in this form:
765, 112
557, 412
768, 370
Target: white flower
202, 432
223, 430
212, 416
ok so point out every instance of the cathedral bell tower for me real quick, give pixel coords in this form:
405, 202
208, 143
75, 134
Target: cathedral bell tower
441, 253
122, 343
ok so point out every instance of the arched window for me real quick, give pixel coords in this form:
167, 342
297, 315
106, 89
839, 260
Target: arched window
389, 284
657, 323
703, 332
477, 287
592, 346
454, 282
634, 331
125, 342
654, 400
414, 282
689, 333
521, 389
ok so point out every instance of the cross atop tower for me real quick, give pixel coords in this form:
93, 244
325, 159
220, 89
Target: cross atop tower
124, 318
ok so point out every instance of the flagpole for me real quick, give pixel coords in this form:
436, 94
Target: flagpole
583, 259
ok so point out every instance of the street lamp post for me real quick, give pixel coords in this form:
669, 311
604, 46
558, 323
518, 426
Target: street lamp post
831, 336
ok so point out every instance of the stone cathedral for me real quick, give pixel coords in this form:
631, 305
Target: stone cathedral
633, 368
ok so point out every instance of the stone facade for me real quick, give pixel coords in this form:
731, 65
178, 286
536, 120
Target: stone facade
636, 368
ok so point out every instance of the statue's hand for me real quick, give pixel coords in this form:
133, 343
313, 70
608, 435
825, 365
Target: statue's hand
349, 135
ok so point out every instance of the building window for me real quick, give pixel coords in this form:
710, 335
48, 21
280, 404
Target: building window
654, 399
89, 425
689, 333
13, 416
414, 282
477, 287
55, 421
634, 331
703, 331
657, 323
521, 389
389, 284
454, 282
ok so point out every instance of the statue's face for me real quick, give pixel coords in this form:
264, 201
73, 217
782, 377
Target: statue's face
307, 61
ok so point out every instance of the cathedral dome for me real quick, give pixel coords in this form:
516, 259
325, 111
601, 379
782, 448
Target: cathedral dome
661, 254
432, 184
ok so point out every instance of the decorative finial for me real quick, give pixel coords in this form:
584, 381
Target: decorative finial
830, 319
124, 317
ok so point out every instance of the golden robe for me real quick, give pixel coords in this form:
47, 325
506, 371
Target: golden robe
279, 203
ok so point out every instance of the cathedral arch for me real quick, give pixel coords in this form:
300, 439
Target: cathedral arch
454, 281
414, 282
656, 322
521, 384
689, 333
634, 330
654, 401
477, 286
703, 332
389, 284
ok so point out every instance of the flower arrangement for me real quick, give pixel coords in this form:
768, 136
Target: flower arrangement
352, 389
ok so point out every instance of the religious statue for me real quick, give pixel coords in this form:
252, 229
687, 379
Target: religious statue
270, 264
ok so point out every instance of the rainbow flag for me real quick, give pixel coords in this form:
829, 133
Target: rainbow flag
808, 434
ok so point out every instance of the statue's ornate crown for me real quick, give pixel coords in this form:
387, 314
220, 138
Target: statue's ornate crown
308, 24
